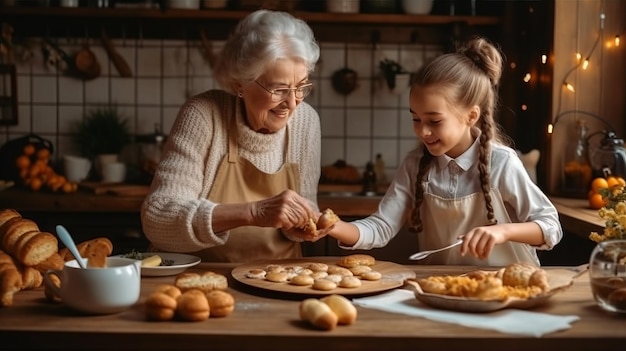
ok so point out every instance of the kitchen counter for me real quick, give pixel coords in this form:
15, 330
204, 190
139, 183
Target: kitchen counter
264, 320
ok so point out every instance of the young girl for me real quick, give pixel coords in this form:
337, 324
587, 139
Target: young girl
461, 181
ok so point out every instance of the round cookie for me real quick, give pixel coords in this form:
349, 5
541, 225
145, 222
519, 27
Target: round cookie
335, 278
318, 267
256, 273
277, 277
319, 274
339, 270
350, 282
302, 280
372, 275
324, 284
358, 270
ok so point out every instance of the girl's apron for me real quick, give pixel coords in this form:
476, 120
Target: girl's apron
445, 219
238, 180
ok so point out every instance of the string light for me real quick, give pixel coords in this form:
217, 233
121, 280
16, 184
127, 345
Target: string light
585, 64
569, 87
527, 78
544, 59
617, 40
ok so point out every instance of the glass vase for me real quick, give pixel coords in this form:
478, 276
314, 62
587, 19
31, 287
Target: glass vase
607, 274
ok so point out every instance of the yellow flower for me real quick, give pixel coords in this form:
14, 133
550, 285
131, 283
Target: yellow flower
614, 213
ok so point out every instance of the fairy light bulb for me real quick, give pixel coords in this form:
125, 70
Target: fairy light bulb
544, 59
585, 63
550, 128
616, 40
527, 77
569, 87
578, 57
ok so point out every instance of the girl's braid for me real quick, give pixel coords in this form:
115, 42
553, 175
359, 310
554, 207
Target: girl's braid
483, 166
424, 166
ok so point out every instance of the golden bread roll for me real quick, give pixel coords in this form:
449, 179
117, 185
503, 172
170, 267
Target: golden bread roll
318, 314
350, 282
302, 280
169, 289
31, 250
94, 250
205, 282
6, 214
525, 275
160, 306
10, 283
31, 278
342, 307
55, 261
13, 229
193, 306
352, 261
221, 303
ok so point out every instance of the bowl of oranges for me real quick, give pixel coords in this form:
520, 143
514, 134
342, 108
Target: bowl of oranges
600, 188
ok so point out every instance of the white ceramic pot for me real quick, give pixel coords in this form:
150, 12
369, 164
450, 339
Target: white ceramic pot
342, 6
183, 4
417, 7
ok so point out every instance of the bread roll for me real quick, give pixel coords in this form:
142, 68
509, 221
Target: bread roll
327, 219
13, 229
193, 306
342, 307
10, 283
351, 261
205, 282
169, 289
221, 303
318, 314
55, 261
160, 306
31, 250
6, 214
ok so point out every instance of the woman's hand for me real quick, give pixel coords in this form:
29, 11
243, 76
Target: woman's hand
286, 210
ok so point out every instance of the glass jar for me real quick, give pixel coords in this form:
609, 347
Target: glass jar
607, 274
610, 154
576, 168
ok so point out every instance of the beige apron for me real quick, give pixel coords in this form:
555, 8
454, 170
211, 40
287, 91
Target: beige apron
238, 180
445, 219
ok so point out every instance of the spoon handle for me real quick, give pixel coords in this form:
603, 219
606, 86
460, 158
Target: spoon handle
67, 240
423, 254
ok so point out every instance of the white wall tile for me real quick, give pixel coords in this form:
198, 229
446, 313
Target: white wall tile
23, 89
45, 90
24, 117
97, 91
147, 118
174, 61
69, 116
332, 121
176, 90
332, 150
359, 122
149, 62
148, 91
123, 91
71, 90
385, 122
47, 124
358, 152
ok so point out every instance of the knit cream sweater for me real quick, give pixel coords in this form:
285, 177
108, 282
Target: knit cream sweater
176, 214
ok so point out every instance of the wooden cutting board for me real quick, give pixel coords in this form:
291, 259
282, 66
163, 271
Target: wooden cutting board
393, 276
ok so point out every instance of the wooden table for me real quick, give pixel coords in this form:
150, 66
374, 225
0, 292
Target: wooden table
264, 321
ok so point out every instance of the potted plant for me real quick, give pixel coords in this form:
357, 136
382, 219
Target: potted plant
101, 135
395, 75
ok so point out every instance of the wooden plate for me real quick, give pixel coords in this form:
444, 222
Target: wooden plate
393, 276
559, 279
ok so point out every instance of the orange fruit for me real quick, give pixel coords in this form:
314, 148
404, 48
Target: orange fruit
35, 184
29, 149
43, 154
22, 162
612, 181
599, 183
621, 181
596, 201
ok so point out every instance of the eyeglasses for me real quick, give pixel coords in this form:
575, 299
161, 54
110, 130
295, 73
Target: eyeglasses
282, 94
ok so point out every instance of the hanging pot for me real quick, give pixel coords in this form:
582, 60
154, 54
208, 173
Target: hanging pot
345, 80
86, 64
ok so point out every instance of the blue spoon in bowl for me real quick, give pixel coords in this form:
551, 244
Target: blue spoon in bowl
66, 238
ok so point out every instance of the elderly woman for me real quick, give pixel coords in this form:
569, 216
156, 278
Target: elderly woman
238, 178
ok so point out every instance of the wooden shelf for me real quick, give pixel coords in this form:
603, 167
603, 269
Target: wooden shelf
181, 23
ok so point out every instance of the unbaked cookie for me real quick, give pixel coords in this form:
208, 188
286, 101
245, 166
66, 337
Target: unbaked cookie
318, 267
349, 282
302, 280
372, 275
358, 270
277, 277
339, 270
324, 284
256, 273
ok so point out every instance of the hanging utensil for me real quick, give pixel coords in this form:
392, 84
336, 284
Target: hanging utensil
344, 80
118, 61
208, 48
85, 61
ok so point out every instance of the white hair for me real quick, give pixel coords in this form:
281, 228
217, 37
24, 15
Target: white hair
259, 40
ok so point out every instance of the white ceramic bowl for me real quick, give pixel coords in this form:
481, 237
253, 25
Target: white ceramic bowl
183, 4
417, 7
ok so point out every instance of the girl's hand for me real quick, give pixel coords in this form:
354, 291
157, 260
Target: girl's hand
481, 240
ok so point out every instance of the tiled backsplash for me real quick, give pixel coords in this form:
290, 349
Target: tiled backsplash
356, 127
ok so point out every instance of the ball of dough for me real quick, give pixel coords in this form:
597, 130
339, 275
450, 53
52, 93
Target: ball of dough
302, 280
221, 303
372, 275
193, 306
324, 284
350, 282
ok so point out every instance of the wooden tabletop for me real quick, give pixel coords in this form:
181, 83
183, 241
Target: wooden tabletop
269, 321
